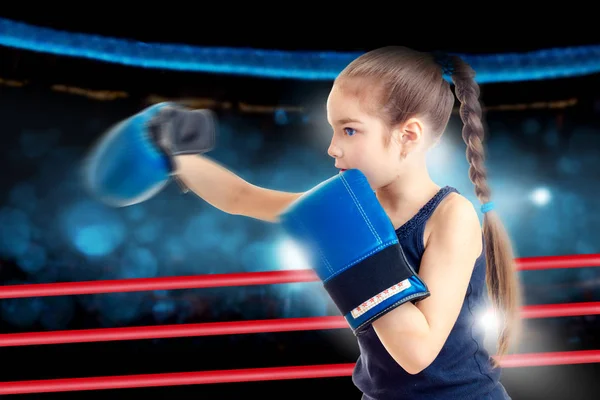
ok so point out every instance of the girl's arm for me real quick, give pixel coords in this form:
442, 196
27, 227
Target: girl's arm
228, 192
415, 334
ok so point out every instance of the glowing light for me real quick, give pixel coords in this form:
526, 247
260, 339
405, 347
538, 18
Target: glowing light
292, 255
94, 230
541, 196
490, 323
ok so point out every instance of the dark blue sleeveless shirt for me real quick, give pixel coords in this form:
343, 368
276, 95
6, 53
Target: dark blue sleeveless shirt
462, 369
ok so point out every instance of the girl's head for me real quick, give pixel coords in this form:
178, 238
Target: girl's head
387, 108
401, 105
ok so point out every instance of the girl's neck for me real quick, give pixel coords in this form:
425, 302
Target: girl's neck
405, 196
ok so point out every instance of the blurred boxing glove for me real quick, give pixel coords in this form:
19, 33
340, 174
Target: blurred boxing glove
352, 246
133, 160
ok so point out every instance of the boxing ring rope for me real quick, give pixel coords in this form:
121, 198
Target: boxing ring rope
256, 374
244, 327
241, 279
248, 327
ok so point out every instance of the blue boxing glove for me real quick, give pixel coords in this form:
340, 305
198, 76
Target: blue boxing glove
134, 159
353, 248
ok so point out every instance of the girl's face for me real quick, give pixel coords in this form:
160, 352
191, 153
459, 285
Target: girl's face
359, 140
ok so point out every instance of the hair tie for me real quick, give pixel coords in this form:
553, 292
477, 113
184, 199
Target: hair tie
489, 206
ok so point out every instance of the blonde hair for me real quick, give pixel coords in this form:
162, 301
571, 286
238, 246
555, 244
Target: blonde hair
404, 83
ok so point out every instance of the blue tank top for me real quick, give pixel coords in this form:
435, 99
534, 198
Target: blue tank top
462, 369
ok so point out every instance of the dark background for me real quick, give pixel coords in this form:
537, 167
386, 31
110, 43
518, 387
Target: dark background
53, 107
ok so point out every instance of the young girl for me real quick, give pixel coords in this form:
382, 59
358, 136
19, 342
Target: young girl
386, 109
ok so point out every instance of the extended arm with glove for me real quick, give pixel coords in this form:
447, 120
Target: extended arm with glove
353, 248
139, 156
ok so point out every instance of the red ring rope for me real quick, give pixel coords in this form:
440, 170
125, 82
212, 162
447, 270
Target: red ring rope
239, 279
560, 310
172, 331
257, 374
162, 283
558, 262
241, 327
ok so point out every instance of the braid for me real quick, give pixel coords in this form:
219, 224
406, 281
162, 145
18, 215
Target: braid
467, 92
503, 285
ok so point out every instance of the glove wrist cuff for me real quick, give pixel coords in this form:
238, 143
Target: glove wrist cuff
381, 282
179, 131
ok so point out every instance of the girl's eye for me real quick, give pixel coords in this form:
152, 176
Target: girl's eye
349, 131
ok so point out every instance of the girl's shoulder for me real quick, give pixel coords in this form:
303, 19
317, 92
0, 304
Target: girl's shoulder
454, 213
